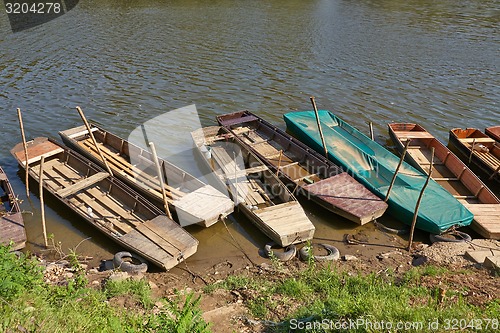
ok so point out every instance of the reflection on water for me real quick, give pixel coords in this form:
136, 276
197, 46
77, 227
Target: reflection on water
125, 62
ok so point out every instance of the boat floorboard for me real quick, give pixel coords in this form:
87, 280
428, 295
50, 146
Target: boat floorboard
12, 230
344, 192
486, 219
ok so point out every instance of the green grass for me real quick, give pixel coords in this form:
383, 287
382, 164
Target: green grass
322, 295
27, 304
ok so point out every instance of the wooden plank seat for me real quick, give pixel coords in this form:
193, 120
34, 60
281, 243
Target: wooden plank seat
82, 184
414, 135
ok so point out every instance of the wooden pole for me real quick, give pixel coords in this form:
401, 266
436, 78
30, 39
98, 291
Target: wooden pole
397, 169
160, 178
42, 205
25, 151
472, 150
319, 126
279, 162
494, 173
415, 215
94, 140
371, 131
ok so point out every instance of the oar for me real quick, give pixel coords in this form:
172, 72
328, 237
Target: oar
319, 126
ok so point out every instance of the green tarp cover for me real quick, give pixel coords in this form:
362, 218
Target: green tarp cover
374, 166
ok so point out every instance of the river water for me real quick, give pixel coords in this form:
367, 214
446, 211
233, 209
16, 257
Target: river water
124, 62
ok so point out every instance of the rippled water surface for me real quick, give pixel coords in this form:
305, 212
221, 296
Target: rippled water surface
125, 62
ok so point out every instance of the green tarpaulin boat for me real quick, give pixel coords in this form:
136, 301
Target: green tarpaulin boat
374, 167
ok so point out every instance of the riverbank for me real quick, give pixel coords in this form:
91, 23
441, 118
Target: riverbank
438, 282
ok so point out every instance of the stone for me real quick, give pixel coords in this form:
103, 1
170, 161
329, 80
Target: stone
119, 276
419, 260
480, 255
492, 263
349, 257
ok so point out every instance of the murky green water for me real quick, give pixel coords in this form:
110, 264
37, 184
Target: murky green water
124, 62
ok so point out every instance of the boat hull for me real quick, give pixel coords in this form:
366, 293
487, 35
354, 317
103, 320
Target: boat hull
374, 166
12, 230
452, 174
107, 204
303, 170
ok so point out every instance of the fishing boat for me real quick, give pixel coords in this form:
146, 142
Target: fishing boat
374, 166
493, 132
452, 174
473, 146
193, 201
106, 203
304, 170
259, 194
12, 230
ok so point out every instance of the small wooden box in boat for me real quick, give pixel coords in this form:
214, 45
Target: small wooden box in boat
107, 204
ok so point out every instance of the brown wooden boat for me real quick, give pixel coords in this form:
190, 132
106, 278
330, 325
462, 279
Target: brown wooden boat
106, 203
192, 200
478, 148
451, 173
493, 132
260, 195
11, 220
304, 170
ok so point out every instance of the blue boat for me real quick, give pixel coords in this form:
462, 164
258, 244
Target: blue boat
374, 166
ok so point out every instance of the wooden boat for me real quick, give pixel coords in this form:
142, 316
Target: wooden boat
260, 195
105, 202
11, 220
374, 166
493, 132
192, 200
452, 174
304, 170
482, 150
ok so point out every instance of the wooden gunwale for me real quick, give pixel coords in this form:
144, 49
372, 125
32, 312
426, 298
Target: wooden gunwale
493, 132
454, 175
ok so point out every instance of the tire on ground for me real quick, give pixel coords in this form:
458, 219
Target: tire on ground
460, 237
333, 253
127, 266
288, 254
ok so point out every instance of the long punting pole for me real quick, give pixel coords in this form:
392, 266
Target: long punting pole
415, 215
25, 150
42, 205
372, 136
397, 169
319, 126
160, 178
94, 140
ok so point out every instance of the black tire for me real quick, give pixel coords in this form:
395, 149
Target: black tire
333, 253
385, 228
460, 237
290, 252
127, 266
